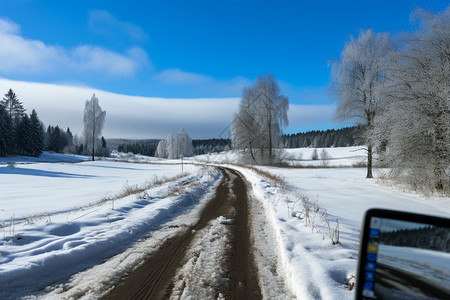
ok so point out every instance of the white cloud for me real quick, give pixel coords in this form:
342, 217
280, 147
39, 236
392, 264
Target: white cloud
177, 77
19, 55
143, 117
310, 117
102, 22
8, 26
126, 116
200, 83
99, 60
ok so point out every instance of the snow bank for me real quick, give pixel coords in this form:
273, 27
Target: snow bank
38, 254
304, 255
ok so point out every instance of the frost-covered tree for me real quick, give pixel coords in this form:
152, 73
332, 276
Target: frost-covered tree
262, 115
272, 114
416, 123
78, 144
172, 147
244, 128
161, 150
94, 119
315, 155
185, 147
358, 79
325, 157
179, 144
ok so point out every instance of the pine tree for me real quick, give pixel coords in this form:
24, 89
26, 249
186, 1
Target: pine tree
13, 106
5, 132
48, 134
23, 136
55, 143
37, 134
69, 137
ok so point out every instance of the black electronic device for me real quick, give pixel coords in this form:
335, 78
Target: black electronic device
403, 256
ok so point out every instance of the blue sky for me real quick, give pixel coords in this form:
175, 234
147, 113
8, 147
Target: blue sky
190, 49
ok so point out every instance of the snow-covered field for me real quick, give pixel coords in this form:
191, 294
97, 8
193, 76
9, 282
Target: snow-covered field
35, 252
338, 157
46, 188
53, 225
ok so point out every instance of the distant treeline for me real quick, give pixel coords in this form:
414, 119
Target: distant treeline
147, 147
344, 137
430, 237
210, 145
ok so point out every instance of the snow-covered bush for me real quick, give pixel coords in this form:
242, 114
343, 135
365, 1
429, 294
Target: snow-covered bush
315, 155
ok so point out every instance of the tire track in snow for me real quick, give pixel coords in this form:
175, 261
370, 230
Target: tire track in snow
156, 278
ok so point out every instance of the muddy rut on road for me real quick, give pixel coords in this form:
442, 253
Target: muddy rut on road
154, 279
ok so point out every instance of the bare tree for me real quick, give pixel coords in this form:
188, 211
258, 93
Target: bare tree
416, 123
262, 114
245, 131
272, 112
358, 78
94, 119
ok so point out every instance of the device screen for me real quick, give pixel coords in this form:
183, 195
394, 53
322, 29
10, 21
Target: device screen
404, 256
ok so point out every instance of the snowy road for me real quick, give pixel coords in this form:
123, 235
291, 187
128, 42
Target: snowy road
210, 260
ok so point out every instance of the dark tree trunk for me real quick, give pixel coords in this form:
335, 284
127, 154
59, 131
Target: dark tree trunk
370, 116
369, 162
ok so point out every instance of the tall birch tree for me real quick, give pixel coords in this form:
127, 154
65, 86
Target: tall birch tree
358, 78
94, 119
262, 114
